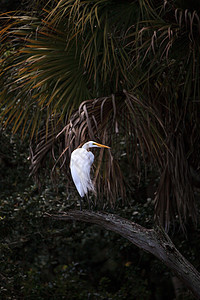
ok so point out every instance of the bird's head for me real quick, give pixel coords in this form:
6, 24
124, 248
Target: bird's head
92, 144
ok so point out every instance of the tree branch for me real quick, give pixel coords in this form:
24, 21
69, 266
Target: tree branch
153, 241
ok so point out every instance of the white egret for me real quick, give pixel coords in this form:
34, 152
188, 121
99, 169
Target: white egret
80, 165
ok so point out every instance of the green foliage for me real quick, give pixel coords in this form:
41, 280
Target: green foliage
39, 75
44, 259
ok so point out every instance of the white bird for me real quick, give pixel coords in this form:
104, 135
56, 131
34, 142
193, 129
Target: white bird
80, 165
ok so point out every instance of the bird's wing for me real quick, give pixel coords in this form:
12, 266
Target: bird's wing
80, 164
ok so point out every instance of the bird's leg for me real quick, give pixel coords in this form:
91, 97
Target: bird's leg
80, 202
95, 204
89, 203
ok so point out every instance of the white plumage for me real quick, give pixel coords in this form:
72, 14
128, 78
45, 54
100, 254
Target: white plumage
80, 165
81, 162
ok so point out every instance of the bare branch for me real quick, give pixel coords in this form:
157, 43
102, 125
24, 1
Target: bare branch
155, 241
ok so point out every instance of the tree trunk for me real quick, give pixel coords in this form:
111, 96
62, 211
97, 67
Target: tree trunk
155, 241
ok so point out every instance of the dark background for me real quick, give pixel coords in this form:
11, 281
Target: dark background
45, 259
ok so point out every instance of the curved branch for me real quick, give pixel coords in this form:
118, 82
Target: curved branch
155, 241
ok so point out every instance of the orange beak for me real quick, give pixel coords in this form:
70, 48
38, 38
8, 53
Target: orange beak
102, 146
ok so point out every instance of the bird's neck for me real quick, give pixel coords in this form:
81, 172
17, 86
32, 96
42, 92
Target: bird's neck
85, 147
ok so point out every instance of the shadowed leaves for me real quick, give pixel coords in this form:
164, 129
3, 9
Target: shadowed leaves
42, 74
107, 119
138, 62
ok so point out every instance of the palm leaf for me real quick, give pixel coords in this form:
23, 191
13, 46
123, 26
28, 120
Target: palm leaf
101, 25
95, 121
168, 59
44, 72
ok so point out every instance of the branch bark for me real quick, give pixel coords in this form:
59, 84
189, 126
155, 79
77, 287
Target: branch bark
154, 241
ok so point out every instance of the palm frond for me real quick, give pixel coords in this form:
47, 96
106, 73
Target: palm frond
42, 74
167, 55
108, 119
101, 25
